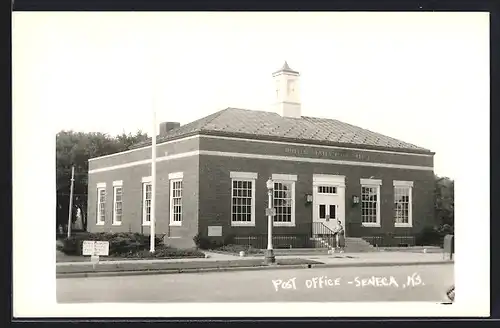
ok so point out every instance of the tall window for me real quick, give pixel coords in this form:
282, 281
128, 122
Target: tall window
117, 201
146, 203
175, 198
403, 203
101, 203
370, 202
176, 202
284, 199
243, 198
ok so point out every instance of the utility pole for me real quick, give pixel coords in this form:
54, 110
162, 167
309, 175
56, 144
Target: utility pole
71, 199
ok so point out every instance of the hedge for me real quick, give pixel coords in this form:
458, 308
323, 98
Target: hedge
225, 245
132, 245
433, 236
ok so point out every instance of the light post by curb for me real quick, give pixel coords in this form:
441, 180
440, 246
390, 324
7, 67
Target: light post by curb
270, 212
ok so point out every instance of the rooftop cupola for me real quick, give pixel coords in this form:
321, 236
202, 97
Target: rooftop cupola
287, 92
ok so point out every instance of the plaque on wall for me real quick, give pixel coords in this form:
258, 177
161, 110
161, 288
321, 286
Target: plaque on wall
214, 231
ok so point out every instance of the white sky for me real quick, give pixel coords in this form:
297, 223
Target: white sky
419, 77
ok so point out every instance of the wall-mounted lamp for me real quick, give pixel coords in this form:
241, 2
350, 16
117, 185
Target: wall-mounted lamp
355, 199
309, 198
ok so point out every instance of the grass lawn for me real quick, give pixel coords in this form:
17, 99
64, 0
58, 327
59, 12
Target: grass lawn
236, 249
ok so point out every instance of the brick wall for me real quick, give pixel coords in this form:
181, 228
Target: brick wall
132, 198
207, 187
142, 154
278, 149
215, 194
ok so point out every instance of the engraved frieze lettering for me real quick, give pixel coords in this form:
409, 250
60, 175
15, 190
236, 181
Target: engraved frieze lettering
333, 154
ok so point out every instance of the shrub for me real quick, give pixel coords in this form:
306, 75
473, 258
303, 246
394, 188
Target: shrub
204, 242
229, 239
119, 243
433, 236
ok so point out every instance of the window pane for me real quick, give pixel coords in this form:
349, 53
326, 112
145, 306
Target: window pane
283, 201
333, 211
401, 204
176, 200
322, 211
369, 204
241, 200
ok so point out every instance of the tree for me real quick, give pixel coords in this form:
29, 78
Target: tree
445, 202
75, 148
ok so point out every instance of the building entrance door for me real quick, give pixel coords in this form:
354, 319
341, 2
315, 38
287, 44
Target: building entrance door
329, 200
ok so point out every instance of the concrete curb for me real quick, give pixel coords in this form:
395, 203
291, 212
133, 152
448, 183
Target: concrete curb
256, 268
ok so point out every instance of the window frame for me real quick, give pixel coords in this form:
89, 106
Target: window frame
285, 178
117, 185
327, 188
175, 177
101, 186
144, 183
244, 177
371, 183
409, 186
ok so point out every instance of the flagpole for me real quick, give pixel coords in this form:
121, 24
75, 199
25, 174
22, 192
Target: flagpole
153, 171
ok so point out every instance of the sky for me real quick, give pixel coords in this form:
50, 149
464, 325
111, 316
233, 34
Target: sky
419, 77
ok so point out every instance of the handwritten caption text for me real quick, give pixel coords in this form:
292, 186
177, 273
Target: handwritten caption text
320, 282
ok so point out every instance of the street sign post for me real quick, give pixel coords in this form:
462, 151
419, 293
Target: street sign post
271, 211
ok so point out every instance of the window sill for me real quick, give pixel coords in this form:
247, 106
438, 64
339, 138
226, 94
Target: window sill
116, 224
242, 224
146, 224
370, 225
100, 223
175, 224
403, 225
275, 224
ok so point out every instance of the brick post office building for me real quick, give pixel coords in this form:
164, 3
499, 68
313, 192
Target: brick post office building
212, 173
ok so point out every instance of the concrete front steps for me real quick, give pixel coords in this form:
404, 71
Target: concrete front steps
358, 245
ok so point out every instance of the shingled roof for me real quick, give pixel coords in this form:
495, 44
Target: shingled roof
263, 125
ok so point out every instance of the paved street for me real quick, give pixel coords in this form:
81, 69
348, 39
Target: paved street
391, 283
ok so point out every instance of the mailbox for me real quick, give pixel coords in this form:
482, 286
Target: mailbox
449, 245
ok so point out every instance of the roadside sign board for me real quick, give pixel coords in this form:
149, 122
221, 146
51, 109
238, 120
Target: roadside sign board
101, 248
270, 211
88, 247
95, 248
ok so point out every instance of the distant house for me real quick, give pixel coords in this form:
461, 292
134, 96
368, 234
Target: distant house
212, 173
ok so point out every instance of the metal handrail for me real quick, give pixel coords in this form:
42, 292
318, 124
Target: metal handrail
319, 228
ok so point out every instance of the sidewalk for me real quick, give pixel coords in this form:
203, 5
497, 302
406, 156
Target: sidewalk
224, 262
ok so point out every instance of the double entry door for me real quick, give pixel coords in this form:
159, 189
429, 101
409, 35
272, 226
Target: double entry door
329, 200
